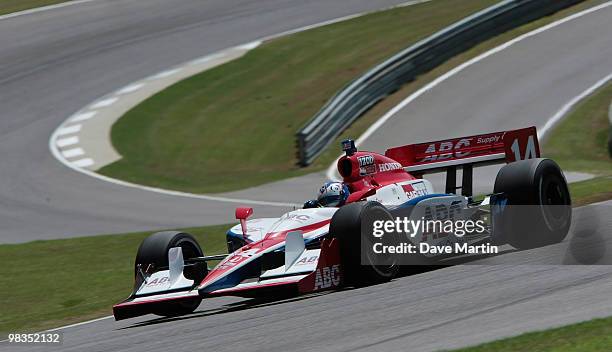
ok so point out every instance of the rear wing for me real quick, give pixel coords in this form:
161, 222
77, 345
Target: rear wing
467, 152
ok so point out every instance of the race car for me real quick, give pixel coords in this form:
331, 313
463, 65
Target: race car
325, 247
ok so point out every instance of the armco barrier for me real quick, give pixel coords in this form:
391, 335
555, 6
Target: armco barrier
361, 94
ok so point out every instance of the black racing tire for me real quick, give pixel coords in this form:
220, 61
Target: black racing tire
154, 251
538, 211
346, 226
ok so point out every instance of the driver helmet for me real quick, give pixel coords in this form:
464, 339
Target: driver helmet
333, 194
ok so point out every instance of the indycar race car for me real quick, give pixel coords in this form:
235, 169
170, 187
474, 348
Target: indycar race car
319, 248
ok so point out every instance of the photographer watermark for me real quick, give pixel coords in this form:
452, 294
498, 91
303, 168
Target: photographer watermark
440, 229
436, 231
37, 338
411, 227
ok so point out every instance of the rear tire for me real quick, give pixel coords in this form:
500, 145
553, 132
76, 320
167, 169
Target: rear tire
346, 226
154, 251
539, 211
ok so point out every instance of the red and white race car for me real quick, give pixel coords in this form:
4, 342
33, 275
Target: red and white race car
314, 249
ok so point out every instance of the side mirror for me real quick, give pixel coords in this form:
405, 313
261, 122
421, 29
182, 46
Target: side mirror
242, 214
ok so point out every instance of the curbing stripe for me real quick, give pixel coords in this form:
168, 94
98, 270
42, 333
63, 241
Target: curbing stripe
71, 153
84, 116
104, 103
166, 73
83, 162
130, 89
67, 141
69, 130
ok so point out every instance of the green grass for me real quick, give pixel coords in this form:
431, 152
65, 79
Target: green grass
590, 336
591, 191
9, 6
233, 126
579, 143
46, 284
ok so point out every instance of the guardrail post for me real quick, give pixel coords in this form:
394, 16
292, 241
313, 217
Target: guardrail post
610, 131
301, 152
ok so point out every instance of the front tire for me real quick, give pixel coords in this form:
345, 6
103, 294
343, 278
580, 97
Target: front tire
346, 226
153, 251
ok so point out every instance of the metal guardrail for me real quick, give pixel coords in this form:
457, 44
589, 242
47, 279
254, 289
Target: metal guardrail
364, 92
